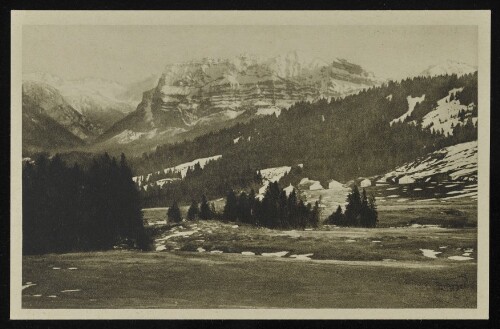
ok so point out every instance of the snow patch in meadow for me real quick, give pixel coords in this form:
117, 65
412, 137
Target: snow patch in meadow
302, 257
247, 253
28, 284
216, 252
429, 253
161, 248
71, 290
176, 234
424, 226
200, 249
275, 254
460, 258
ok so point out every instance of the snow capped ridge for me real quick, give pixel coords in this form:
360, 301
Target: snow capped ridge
449, 67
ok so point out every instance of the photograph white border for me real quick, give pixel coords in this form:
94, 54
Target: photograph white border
479, 18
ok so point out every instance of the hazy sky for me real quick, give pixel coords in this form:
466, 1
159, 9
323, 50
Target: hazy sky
130, 53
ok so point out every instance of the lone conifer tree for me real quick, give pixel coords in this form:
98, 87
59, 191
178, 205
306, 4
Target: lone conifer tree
314, 215
353, 208
174, 213
205, 212
373, 213
193, 210
337, 218
231, 208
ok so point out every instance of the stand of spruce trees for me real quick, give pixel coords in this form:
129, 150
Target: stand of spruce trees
68, 209
275, 210
361, 211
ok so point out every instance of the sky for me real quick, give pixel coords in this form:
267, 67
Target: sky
132, 53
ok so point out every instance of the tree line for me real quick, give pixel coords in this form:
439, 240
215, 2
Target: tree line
66, 208
276, 209
203, 211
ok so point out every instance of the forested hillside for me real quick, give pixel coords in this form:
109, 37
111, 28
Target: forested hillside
68, 209
342, 139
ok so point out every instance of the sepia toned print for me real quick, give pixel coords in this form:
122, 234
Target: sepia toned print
240, 168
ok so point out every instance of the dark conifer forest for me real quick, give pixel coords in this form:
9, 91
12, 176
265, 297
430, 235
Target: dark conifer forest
69, 209
275, 210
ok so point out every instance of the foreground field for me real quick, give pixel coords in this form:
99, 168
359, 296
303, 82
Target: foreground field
168, 280
208, 264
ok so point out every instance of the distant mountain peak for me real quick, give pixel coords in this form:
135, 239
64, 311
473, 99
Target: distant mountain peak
449, 67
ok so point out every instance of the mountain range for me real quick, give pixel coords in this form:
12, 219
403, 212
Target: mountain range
186, 100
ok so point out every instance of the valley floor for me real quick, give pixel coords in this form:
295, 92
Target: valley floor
208, 264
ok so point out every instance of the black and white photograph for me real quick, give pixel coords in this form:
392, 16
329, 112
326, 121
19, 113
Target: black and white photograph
268, 164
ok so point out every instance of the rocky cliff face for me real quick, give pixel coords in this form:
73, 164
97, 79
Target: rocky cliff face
210, 91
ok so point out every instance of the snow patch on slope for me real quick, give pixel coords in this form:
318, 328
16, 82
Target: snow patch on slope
271, 175
446, 115
412, 101
128, 136
269, 111
182, 169
458, 161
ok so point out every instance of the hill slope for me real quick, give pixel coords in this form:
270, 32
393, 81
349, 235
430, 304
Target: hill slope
341, 139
